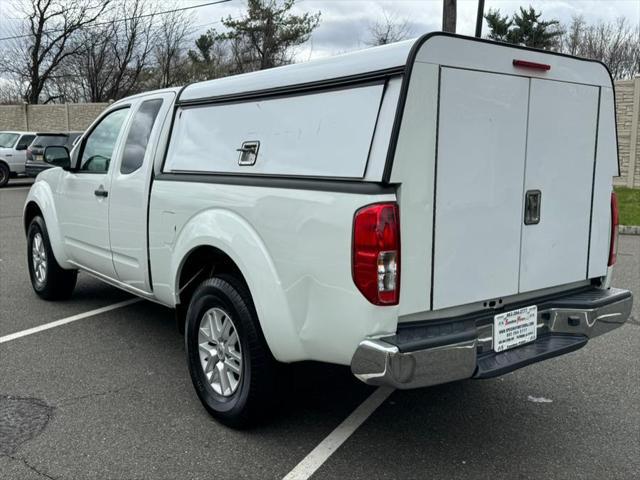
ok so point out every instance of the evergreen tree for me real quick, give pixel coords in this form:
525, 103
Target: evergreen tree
266, 35
524, 28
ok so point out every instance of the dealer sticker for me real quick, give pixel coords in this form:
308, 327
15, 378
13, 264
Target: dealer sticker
515, 328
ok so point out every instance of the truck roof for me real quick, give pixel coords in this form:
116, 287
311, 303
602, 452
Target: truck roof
443, 48
377, 59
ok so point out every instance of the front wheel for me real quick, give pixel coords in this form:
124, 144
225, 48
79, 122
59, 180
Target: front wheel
230, 364
48, 279
5, 173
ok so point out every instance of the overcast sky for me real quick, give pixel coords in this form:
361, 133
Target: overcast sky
344, 23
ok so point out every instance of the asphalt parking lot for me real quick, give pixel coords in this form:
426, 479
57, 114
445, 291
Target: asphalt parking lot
109, 396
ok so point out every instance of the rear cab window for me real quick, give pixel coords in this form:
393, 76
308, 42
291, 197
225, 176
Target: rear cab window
138, 137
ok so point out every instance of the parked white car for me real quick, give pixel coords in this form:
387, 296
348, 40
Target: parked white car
429, 211
13, 150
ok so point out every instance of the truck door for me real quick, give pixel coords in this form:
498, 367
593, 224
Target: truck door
560, 160
83, 195
479, 178
129, 195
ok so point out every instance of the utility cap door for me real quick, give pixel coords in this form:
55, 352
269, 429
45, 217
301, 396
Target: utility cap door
560, 160
479, 180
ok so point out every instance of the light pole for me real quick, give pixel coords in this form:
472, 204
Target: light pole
480, 18
449, 16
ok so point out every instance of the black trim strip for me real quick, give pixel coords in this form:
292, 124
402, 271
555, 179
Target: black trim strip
375, 127
296, 89
386, 178
593, 181
435, 196
270, 181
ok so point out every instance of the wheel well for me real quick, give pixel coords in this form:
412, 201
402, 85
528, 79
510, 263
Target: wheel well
30, 212
201, 263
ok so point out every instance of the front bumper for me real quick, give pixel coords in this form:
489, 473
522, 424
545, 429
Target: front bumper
428, 353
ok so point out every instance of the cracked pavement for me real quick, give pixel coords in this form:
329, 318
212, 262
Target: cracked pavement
121, 406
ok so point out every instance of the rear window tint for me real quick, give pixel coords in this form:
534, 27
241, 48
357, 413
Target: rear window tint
48, 140
139, 133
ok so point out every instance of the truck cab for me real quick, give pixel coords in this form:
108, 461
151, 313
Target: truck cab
424, 212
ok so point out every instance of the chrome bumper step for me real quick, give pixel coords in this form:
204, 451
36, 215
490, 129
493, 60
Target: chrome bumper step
440, 351
491, 365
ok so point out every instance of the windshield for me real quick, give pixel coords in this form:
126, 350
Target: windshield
8, 140
47, 140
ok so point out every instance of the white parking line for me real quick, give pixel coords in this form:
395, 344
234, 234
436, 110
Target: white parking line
314, 460
64, 321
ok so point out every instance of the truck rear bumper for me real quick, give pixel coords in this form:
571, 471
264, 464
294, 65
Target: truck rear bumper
421, 354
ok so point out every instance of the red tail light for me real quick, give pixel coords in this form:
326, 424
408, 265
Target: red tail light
533, 65
615, 220
376, 253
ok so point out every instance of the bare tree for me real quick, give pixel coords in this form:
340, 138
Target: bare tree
170, 61
449, 15
389, 29
39, 50
9, 92
571, 41
617, 44
112, 56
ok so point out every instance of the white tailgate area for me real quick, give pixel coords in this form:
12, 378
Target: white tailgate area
502, 138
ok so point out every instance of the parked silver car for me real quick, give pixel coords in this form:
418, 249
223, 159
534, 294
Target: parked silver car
13, 149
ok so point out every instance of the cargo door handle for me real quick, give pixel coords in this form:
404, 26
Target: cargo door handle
532, 202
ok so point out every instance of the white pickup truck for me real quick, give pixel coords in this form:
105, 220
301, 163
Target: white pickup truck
429, 211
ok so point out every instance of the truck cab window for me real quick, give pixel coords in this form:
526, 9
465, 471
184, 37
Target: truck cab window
8, 140
138, 137
99, 146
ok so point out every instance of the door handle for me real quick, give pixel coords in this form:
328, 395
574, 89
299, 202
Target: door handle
532, 202
100, 192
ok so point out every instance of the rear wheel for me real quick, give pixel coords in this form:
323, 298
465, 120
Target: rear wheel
48, 279
230, 364
4, 174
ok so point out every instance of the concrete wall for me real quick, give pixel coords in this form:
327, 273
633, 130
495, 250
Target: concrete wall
49, 118
628, 119
78, 117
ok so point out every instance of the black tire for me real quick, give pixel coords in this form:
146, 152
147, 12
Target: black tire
5, 173
255, 392
57, 283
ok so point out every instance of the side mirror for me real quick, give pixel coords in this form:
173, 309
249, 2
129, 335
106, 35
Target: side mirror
58, 156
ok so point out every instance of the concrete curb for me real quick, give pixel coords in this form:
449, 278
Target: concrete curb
629, 229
